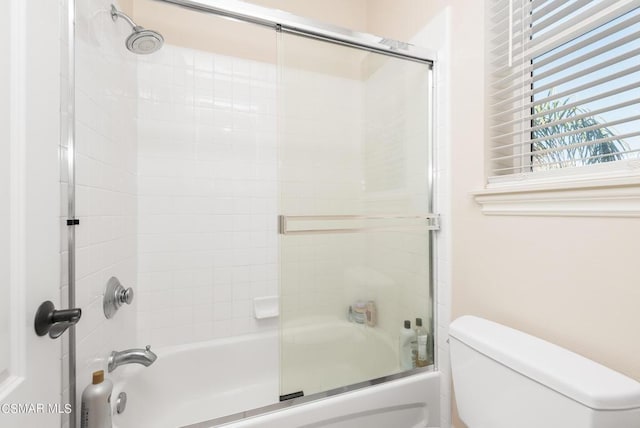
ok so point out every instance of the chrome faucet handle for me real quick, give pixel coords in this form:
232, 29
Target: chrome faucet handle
55, 322
125, 296
115, 296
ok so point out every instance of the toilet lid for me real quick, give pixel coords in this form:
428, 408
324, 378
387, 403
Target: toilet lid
566, 372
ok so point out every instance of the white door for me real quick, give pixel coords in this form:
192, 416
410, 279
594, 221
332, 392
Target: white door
30, 366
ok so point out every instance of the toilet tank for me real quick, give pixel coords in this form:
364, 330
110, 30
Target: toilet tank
504, 378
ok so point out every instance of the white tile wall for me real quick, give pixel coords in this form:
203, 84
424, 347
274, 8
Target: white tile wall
207, 195
106, 147
320, 172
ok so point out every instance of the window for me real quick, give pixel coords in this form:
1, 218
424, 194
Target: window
564, 87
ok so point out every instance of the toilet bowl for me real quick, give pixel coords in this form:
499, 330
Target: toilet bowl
504, 378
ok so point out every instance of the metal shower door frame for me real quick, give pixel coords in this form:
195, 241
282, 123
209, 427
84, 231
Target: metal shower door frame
290, 23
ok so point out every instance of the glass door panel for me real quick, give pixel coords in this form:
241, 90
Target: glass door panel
355, 211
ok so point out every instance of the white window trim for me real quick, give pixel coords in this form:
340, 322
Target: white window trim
607, 193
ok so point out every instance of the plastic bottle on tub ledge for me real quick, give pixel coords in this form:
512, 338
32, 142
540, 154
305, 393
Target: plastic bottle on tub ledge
422, 340
371, 314
359, 311
95, 410
407, 339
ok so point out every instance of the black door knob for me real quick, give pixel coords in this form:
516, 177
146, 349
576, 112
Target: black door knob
55, 322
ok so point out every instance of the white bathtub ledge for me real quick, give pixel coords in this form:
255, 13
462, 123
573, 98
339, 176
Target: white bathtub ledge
410, 402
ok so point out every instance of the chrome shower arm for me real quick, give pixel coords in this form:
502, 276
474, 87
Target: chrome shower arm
115, 14
141, 40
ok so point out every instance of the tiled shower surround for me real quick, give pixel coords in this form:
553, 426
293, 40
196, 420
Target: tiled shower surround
184, 160
106, 188
207, 197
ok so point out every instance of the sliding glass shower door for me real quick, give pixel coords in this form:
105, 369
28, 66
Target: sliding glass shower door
355, 212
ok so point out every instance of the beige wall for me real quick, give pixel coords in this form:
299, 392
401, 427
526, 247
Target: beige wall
394, 19
572, 281
345, 13
207, 32
197, 30
568, 280
187, 28
401, 19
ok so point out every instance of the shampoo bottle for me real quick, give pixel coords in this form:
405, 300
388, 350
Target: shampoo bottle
371, 314
422, 359
96, 403
407, 336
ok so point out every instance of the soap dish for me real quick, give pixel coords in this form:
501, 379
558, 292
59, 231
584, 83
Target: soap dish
265, 307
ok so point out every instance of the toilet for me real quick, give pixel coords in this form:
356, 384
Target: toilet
504, 378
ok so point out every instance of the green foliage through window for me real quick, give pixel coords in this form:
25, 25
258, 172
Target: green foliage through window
568, 142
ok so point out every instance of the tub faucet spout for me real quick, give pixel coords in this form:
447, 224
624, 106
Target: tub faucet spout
146, 357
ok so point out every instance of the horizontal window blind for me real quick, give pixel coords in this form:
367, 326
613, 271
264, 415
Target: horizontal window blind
564, 84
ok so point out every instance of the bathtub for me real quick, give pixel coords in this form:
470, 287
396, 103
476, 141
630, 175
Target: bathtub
319, 353
191, 384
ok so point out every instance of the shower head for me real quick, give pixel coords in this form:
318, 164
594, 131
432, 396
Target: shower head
141, 41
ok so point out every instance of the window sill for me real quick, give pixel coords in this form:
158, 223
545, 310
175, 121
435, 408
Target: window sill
617, 196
